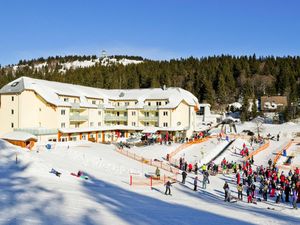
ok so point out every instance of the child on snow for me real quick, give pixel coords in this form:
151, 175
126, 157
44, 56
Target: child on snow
168, 188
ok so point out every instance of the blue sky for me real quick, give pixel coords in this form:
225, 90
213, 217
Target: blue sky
156, 29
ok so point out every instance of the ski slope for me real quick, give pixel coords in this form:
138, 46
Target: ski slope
31, 195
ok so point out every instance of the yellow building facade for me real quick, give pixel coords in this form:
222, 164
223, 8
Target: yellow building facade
65, 112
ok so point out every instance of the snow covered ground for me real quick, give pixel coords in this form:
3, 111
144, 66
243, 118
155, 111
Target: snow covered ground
155, 151
31, 195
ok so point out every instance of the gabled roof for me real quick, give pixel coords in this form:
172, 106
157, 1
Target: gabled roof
50, 91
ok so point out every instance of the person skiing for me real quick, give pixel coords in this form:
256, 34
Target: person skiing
195, 183
168, 188
184, 174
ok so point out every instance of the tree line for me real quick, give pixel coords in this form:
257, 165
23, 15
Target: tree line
218, 80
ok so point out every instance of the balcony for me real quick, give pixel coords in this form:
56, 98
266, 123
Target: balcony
75, 105
148, 118
150, 108
115, 118
76, 117
120, 108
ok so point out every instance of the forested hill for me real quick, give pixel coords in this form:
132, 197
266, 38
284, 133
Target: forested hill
217, 80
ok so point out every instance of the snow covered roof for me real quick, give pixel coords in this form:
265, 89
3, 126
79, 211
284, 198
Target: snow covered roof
52, 91
18, 136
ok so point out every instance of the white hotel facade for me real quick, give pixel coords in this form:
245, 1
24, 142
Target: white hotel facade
65, 112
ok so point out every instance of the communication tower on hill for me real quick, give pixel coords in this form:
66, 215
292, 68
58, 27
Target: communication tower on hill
103, 54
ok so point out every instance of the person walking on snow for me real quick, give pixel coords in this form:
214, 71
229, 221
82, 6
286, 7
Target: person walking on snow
168, 188
226, 187
195, 183
204, 180
294, 198
228, 195
240, 191
157, 172
184, 174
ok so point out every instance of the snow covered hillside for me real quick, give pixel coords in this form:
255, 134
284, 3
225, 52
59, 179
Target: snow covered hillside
104, 61
30, 194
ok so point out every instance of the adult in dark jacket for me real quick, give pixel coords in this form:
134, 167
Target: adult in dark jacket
226, 187
195, 183
168, 188
287, 191
184, 174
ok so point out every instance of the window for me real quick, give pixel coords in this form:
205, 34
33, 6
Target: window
126, 103
99, 124
12, 125
63, 112
146, 124
76, 125
125, 113
62, 125
133, 124
118, 123
118, 113
14, 84
158, 103
156, 113
40, 109
165, 124
91, 124
94, 102
133, 113
166, 102
99, 135
146, 114
12, 98
149, 103
12, 112
118, 104
165, 113
99, 113
66, 99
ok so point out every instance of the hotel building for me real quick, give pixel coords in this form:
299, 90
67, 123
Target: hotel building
64, 112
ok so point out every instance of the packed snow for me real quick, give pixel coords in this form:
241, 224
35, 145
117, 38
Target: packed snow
30, 194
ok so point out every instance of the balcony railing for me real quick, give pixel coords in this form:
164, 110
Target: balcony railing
115, 118
120, 108
148, 118
150, 108
75, 105
78, 117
